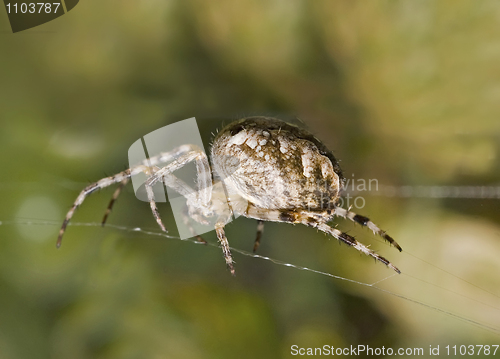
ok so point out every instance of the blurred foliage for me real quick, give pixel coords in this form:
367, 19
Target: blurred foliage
405, 92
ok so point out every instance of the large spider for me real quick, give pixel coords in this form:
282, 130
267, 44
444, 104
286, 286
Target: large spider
262, 168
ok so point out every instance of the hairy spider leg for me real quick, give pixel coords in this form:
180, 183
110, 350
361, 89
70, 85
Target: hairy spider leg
364, 221
202, 166
226, 250
192, 199
147, 168
180, 156
204, 173
165, 174
113, 199
311, 219
260, 230
117, 193
102, 183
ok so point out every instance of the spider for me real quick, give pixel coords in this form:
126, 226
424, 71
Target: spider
261, 168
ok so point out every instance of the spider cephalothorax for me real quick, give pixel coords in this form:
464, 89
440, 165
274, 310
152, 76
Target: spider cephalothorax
262, 168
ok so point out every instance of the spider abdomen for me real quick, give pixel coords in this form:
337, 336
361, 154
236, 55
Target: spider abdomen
275, 165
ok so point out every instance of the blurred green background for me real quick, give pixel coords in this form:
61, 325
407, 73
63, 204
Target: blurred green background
405, 92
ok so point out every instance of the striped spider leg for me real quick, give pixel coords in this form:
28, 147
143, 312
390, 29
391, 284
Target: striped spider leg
318, 220
179, 157
341, 212
366, 222
200, 207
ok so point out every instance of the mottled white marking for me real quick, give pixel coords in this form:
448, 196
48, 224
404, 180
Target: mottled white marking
262, 142
284, 144
238, 139
252, 143
326, 168
307, 162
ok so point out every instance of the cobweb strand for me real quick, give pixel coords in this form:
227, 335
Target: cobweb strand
483, 326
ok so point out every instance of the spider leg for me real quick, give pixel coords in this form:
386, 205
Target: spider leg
113, 199
165, 174
312, 220
364, 221
181, 156
341, 236
170, 180
154, 208
260, 230
221, 235
204, 180
105, 182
